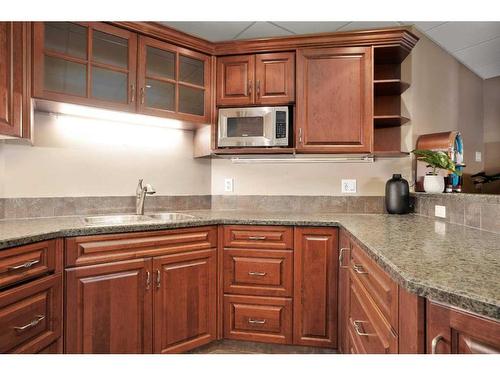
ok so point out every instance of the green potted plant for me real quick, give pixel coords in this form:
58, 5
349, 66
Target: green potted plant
433, 183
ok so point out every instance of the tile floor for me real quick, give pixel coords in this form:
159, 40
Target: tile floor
243, 347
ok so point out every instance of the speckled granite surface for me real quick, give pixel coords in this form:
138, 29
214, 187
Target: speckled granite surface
449, 263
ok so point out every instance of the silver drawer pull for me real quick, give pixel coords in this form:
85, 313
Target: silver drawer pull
435, 342
257, 237
357, 328
28, 264
359, 269
256, 321
33, 323
253, 273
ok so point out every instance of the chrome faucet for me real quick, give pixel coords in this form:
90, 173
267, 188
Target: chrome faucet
140, 196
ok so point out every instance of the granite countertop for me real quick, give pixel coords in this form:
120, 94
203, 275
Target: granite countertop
448, 263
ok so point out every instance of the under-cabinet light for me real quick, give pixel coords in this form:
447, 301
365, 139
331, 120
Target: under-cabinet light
298, 160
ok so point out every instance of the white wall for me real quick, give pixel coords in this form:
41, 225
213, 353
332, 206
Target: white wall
80, 157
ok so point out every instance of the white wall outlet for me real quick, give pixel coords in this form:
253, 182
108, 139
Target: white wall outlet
440, 211
478, 156
229, 185
348, 186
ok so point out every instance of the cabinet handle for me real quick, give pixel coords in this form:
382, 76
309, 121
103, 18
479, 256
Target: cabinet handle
300, 135
256, 238
141, 94
435, 342
341, 257
28, 264
358, 268
148, 280
254, 273
256, 321
132, 93
33, 323
358, 330
258, 88
158, 279
249, 87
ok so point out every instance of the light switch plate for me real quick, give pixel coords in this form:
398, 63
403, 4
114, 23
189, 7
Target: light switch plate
348, 186
478, 156
440, 211
228, 185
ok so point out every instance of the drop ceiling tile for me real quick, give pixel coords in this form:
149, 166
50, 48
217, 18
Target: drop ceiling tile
301, 28
424, 25
488, 71
362, 25
263, 30
212, 31
486, 53
456, 36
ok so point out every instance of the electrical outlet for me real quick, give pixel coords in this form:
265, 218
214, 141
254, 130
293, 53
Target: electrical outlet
478, 156
440, 211
229, 185
348, 186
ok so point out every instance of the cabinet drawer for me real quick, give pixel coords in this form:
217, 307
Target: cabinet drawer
27, 262
30, 315
259, 272
368, 332
263, 319
381, 288
258, 237
88, 250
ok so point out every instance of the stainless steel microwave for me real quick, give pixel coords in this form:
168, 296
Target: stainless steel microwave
253, 127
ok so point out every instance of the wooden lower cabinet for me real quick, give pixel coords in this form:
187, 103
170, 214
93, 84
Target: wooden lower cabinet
343, 301
315, 286
451, 331
109, 308
185, 310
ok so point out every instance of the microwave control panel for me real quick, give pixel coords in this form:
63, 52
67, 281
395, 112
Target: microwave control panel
281, 124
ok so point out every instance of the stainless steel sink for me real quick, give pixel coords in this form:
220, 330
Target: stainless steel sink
134, 219
117, 219
170, 216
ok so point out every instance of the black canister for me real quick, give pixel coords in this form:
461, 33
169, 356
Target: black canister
397, 195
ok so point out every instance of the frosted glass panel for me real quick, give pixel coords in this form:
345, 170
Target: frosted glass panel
109, 85
191, 71
66, 37
65, 76
191, 100
160, 63
109, 49
160, 95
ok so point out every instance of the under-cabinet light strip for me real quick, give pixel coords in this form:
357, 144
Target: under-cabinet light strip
361, 159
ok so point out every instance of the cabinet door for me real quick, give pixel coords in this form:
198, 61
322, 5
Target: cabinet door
108, 308
14, 80
451, 331
184, 301
334, 100
275, 78
173, 81
88, 63
315, 287
343, 321
235, 80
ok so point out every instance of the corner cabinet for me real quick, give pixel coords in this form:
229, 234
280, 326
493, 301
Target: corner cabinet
263, 79
15, 108
334, 100
97, 64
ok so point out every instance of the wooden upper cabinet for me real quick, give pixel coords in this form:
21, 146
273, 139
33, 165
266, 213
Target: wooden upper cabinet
334, 100
275, 78
14, 79
88, 63
235, 80
315, 287
109, 308
267, 79
185, 301
173, 81
451, 331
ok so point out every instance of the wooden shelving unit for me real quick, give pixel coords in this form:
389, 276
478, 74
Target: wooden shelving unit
387, 90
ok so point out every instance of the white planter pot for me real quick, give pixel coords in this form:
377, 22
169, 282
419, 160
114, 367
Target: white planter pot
433, 184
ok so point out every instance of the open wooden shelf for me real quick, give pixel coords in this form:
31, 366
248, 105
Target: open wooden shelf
253, 151
389, 121
385, 87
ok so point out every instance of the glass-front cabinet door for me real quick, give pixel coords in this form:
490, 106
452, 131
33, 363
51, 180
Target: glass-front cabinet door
173, 81
85, 63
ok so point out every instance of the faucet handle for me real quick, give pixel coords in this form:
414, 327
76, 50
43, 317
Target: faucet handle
149, 189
